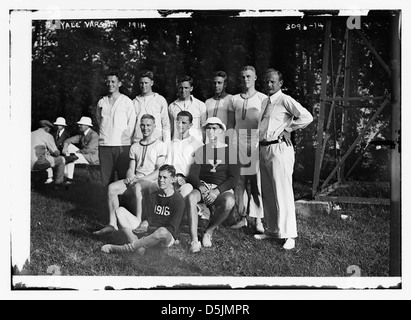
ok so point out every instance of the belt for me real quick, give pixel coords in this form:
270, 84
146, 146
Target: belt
267, 143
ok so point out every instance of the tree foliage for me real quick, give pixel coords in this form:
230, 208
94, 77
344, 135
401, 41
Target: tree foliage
68, 66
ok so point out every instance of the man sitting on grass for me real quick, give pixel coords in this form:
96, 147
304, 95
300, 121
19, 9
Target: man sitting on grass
213, 178
164, 212
146, 156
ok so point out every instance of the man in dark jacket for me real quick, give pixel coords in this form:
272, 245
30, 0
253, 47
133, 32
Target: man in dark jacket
61, 134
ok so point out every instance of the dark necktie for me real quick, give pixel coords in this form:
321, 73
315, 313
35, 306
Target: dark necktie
265, 119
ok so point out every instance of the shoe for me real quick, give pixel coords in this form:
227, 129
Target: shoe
259, 227
289, 244
106, 248
141, 251
262, 236
195, 246
49, 180
140, 230
242, 223
106, 230
69, 182
70, 158
207, 240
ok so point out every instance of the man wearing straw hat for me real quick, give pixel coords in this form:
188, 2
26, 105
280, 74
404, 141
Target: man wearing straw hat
86, 153
61, 134
214, 174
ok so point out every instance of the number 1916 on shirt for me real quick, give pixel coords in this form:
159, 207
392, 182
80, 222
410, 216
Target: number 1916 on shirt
162, 210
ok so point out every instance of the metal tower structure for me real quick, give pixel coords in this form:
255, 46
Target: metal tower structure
392, 100
339, 172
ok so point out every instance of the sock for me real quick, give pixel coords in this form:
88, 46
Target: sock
128, 247
111, 248
138, 243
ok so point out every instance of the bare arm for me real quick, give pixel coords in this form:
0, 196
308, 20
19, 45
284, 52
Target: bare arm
153, 176
130, 175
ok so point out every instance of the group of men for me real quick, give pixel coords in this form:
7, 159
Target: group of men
160, 163
55, 150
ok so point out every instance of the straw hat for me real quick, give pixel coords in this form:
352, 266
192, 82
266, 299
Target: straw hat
215, 120
86, 121
60, 121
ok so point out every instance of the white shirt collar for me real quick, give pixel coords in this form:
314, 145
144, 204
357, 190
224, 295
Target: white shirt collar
86, 132
275, 95
183, 101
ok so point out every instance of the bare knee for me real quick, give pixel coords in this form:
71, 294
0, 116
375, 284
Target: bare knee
138, 189
227, 203
161, 233
186, 189
113, 189
192, 198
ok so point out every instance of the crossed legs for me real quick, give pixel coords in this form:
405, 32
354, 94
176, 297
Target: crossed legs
127, 222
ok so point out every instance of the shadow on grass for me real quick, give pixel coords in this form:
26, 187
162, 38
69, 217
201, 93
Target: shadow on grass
87, 197
63, 222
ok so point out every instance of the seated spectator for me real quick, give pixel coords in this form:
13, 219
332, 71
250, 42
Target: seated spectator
61, 134
44, 153
181, 151
146, 157
87, 150
213, 177
164, 212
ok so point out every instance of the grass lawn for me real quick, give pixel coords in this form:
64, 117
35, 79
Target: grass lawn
62, 222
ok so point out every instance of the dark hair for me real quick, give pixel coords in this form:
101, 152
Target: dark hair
221, 74
169, 168
185, 114
272, 70
184, 79
148, 116
146, 74
45, 124
114, 73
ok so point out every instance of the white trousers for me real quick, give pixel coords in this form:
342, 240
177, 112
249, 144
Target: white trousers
276, 167
69, 168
